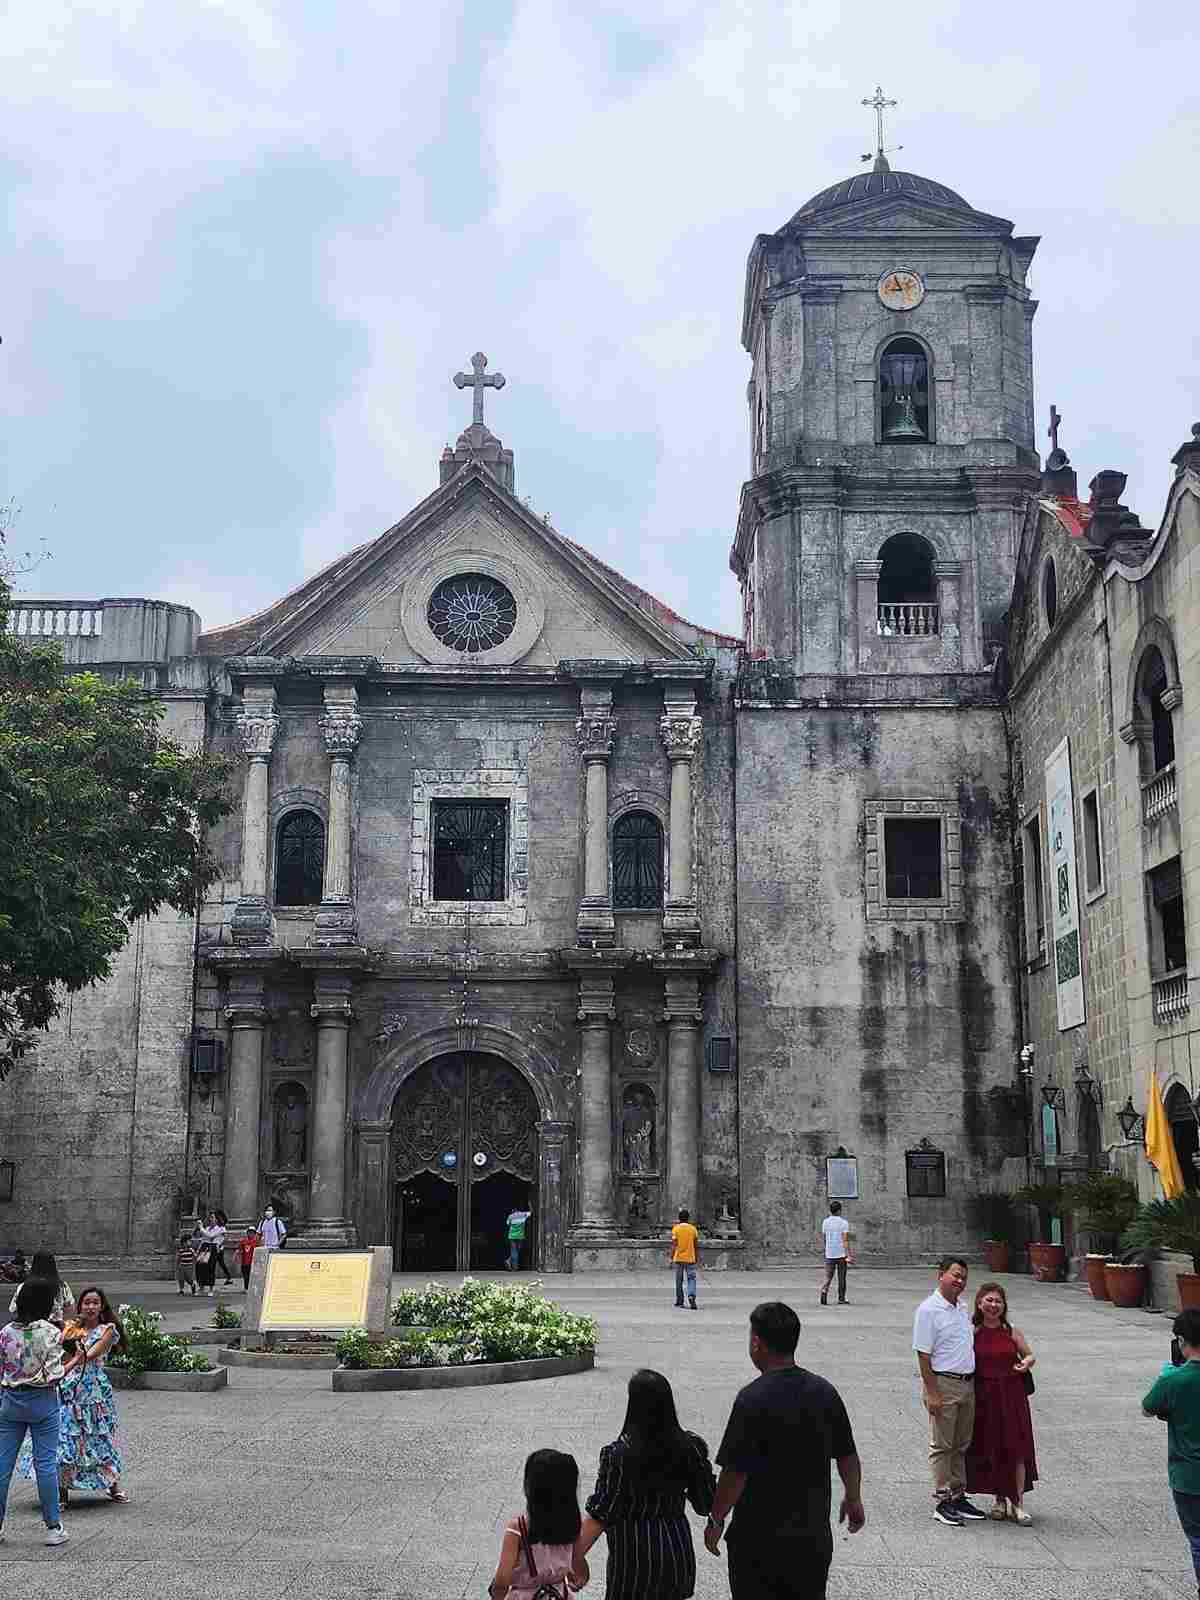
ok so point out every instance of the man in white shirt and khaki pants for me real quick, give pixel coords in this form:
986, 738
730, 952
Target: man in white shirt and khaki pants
945, 1345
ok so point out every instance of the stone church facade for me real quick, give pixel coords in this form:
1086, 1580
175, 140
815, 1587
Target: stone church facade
537, 895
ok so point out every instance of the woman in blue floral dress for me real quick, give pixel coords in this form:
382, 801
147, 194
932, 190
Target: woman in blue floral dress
88, 1456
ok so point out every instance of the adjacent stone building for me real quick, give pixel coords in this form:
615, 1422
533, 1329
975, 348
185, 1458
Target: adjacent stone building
537, 895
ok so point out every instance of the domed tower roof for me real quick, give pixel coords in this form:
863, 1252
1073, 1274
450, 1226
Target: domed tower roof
867, 185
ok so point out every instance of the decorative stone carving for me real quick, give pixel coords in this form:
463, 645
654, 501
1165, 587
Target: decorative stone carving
680, 734
639, 1131
342, 729
291, 1127
641, 1044
595, 733
256, 733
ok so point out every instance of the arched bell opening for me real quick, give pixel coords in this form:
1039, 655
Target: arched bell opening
905, 393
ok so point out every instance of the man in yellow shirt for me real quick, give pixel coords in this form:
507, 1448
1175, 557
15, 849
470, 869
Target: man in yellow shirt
685, 1257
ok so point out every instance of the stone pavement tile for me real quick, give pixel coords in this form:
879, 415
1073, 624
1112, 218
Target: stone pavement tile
1091, 1555
204, 1579
967, 1547
915, 1583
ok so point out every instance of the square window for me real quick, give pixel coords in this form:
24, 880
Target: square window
914, 860
470, 849
912, 849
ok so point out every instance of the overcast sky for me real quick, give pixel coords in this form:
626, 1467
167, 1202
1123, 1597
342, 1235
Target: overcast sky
249, 244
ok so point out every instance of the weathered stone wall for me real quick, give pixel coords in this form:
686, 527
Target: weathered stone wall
95, 1117
867, 1034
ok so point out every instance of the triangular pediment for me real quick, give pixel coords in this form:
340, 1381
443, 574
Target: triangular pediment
375, 602
902, 213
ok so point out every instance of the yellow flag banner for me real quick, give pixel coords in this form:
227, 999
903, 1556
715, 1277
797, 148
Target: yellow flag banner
1160, 1146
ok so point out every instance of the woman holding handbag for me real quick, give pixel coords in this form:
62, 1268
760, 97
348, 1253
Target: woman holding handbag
1000, 1457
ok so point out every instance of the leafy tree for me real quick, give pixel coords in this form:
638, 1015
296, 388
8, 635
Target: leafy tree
101, 822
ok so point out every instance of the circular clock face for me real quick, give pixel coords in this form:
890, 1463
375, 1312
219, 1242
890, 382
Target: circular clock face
901, 289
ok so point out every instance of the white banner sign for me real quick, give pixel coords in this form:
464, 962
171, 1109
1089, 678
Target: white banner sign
1064, 892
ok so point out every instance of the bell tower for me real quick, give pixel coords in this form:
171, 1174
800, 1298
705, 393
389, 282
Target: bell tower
889, 326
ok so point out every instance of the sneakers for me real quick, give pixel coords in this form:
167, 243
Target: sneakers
842, 1301
679, 1305
945, 1511
968, 1512
56, 1536
692, 1302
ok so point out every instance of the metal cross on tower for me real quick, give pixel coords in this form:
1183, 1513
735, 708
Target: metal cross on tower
879, 105
479, 380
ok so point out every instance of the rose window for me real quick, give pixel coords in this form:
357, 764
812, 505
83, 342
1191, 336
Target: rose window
471, 613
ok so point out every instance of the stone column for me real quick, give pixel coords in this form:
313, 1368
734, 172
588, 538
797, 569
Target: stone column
257, 726
683, 1017
595, 730
681, 730
246, 1018
327, 1223
866, 608
949, 578
342, 727
372, 1181
596, 1015
553, 1143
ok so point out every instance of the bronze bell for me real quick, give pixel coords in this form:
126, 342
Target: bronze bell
901, 419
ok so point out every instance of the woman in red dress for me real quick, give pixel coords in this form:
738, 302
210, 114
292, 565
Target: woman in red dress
1000, 1458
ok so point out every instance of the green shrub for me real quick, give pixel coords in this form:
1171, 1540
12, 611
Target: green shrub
225, 1316
354, 1348
487, 1322
1167, 1225
146, 1348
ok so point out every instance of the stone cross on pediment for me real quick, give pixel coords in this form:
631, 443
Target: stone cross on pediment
479, 380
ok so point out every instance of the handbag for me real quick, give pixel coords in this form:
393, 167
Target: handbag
1027, 1382
544, 1591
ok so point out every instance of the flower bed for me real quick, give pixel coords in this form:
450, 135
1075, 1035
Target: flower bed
146, 1348
471, 1324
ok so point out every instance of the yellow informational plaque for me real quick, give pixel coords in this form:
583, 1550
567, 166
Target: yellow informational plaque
316, 1291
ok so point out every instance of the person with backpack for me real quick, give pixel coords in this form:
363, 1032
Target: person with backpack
539, 1559
31, 1369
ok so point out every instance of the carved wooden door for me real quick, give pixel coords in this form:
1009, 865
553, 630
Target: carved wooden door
464, 1120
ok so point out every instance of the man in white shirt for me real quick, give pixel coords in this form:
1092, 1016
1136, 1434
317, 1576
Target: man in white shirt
945, 1345
837, 1235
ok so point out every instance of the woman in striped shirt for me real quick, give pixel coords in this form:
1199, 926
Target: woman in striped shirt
638, 1502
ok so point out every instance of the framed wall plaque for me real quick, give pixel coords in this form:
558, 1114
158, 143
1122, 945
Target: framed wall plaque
841, 1176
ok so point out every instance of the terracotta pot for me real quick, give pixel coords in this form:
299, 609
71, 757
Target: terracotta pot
1093, 1267
996, 1253
1189, 1290
1047, 1261
1126, 1285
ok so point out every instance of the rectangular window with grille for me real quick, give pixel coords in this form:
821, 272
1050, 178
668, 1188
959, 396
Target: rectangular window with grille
1168, 934
470, 849
912, 848
1035, 890
1093, 848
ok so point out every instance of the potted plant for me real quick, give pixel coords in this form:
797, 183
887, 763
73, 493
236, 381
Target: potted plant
1047, 1261
993, 1214
1103, 1204
1170, 1225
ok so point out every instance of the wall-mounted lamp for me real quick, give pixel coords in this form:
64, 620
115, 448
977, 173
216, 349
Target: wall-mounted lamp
1133, 1124
1053, 1095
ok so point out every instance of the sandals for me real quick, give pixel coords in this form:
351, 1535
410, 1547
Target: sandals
119, 1496
999, 1512
1020, 1516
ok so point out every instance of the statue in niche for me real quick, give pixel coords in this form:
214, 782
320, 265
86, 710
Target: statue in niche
639, 1152
639, 1211
291, 1128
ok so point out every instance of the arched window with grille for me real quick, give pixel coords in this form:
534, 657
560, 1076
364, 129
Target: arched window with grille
905, 410
637, 858
299, 859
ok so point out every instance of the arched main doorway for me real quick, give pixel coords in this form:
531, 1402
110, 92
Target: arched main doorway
1185, 1133
464, 1154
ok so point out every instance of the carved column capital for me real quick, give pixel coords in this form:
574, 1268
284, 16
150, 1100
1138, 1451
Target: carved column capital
341, 727
594, 732
681, 733
246, 1015
256, 731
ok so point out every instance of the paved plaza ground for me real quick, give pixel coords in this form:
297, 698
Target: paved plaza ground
279, 1488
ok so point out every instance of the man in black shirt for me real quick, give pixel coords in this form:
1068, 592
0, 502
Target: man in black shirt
782, 1433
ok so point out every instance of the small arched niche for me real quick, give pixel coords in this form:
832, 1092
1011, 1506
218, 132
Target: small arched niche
290, 1126
907, 588
905, 393
639, 1130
